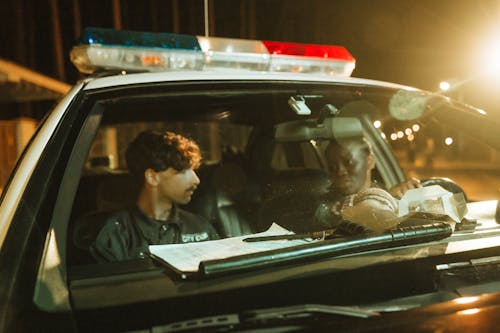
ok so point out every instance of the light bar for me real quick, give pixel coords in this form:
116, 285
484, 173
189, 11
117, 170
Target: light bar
107, 49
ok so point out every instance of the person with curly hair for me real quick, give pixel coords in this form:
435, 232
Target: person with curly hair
163, 165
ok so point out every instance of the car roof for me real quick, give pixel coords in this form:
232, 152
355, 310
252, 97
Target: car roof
180, 76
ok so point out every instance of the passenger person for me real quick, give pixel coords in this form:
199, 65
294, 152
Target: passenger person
351, 162
164, 166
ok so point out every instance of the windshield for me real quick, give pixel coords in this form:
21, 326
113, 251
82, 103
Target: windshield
275, 155
182, 165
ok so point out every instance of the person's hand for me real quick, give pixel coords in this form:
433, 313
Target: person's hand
374, 209
399, 190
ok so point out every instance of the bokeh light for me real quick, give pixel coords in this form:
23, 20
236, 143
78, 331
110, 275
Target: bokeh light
466, 300
491, 64
444, 85
469, 311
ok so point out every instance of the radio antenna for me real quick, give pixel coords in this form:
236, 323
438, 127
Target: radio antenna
206, 17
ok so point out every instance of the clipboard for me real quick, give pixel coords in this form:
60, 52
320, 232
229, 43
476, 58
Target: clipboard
185, 259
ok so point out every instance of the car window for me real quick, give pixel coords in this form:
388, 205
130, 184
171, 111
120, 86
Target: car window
108, 149
247, 174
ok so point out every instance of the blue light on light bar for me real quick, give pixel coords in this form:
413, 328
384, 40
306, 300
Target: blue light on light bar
108, 49
108, 37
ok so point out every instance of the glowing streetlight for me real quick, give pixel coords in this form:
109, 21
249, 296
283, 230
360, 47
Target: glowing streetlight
377, 123
444, 85
448, 141
491, 57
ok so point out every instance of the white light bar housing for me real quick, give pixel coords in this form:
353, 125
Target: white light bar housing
107, 49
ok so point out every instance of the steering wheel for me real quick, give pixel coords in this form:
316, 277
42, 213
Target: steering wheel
445, 183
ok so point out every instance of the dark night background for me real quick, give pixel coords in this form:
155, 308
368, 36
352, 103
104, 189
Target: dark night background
413, 42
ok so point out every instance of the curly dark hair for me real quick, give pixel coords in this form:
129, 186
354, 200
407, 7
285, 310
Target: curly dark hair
160, 151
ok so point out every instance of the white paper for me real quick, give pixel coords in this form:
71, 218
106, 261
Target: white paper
433, 199
187, 257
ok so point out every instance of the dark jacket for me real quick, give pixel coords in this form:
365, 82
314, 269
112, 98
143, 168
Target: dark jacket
127, 234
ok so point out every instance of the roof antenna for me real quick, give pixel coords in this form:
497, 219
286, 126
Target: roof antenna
206, 17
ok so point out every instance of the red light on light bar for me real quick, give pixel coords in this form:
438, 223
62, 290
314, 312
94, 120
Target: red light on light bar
309, 50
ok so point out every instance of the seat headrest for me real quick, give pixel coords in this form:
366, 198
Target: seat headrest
230, 179
298, 181
115, 192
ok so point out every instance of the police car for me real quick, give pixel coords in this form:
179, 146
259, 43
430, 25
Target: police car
262, 113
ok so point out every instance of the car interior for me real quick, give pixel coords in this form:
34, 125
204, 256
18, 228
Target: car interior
256, 163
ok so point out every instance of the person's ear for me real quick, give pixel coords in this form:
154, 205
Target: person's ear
150, 177
371, 161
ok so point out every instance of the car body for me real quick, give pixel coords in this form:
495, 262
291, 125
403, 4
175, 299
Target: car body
262, 137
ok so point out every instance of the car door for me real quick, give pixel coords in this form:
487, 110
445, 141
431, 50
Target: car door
26, 211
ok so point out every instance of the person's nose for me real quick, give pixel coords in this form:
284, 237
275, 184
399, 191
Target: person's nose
194, 178
341, 169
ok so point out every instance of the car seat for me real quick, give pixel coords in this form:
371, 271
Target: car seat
292, 198
228, 198
97, 197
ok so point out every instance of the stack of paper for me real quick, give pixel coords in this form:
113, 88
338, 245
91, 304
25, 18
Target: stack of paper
187, 257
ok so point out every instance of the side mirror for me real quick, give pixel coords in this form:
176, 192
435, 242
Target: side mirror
497, 213
445, 183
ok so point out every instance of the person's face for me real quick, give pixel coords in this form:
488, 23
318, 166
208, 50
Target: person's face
350, 167
177, 186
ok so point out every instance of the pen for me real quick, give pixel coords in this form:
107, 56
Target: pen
278, 237
314, 235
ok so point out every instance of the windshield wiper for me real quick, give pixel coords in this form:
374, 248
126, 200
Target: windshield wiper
327, 248
259, 316
299, 311
195, 324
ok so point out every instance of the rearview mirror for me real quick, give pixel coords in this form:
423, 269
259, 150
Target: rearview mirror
311, 129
